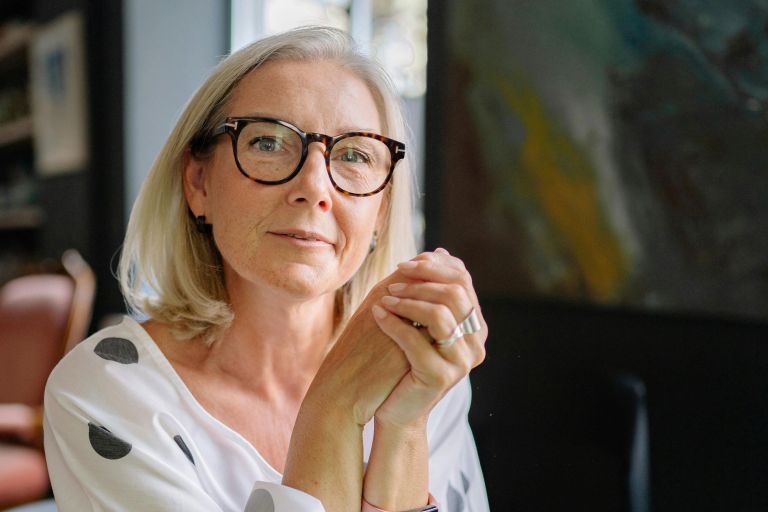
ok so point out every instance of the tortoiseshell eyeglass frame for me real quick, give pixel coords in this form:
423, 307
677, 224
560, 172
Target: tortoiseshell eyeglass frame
233, 126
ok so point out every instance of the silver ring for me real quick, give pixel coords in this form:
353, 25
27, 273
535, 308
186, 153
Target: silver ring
447, 342
471, 324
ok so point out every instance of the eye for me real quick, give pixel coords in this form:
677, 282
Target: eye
266, 144
353, 155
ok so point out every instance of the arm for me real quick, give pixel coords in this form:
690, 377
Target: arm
455, 476
121, 433
106, 459
398, 471
325, 455
439, 297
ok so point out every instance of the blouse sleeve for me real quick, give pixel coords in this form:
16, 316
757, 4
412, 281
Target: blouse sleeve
108, 448
455, 478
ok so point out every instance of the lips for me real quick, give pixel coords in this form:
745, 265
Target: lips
309, 236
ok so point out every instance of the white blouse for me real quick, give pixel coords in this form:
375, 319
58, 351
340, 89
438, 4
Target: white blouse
123, 432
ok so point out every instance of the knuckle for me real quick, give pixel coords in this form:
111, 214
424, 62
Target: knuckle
460, 263
481, 355
459, 275
424, 256
466, 366
466, 278
446, 316
456, 292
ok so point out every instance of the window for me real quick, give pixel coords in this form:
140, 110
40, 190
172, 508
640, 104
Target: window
393, 31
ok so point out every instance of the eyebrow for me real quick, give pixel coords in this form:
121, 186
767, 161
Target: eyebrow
344, 129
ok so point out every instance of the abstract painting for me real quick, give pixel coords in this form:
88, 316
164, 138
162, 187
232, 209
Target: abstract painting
609, 151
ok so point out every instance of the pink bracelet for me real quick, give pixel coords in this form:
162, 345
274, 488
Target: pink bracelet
430, 507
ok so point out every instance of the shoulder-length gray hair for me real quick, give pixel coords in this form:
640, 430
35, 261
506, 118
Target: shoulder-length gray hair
163, 250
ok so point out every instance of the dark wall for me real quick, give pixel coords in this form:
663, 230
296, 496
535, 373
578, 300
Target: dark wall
84, 210
548, 426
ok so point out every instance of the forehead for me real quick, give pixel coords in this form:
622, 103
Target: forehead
320, 96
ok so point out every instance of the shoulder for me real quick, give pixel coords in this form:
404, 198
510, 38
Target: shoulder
119, 344
116, 361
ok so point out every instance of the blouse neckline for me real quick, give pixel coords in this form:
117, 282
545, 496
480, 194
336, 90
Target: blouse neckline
165, 366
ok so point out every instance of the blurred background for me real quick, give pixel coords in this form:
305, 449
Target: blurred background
598, 164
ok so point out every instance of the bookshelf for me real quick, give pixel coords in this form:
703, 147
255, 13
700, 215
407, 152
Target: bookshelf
19, 207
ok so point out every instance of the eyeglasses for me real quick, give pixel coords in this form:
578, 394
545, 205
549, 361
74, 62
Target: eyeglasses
271, 152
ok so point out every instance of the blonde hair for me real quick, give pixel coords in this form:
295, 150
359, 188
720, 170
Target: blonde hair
164, 251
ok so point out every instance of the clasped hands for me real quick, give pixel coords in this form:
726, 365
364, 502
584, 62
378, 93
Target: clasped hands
386, 363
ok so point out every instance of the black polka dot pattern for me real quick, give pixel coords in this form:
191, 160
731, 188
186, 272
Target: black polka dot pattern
106, 444
455, 500
260, 501
183, 446
120, 350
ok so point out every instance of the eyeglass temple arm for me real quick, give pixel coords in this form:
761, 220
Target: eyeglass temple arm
223, 128
399, 152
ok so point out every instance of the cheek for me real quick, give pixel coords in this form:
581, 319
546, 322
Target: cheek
358, 231
237, 216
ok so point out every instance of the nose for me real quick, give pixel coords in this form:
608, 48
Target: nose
312, 185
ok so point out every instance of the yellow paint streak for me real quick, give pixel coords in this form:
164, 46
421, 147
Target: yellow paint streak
562, 183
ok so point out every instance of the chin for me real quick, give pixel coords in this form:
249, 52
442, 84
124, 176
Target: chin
302, 281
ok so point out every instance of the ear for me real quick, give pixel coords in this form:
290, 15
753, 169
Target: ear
195, 186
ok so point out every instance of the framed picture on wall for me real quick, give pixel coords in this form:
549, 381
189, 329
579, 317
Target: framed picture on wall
609, 152
59, 94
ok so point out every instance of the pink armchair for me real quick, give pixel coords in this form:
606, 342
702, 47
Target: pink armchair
41, 317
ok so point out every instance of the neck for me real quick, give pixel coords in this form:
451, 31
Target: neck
275, 343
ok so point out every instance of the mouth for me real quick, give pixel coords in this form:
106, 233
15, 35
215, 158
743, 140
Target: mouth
303, 236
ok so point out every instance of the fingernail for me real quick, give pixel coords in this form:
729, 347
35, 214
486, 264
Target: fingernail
379, 312
397, 287
407, 265
389, 300
440, 249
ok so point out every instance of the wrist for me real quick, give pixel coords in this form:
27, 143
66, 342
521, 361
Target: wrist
325, 413
397, 476
416, 425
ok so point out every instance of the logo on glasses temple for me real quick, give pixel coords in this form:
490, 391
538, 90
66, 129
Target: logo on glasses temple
399, 150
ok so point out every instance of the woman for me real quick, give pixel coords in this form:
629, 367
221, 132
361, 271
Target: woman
288, 362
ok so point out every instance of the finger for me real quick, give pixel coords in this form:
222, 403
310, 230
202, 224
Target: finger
458, 298
436, 270
449, 296
439, 323
438, 319
441, 256
454, 296
427, 363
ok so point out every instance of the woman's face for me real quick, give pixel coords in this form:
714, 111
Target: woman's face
302, 238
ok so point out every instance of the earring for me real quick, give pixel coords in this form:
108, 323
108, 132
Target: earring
202, 226
374, 242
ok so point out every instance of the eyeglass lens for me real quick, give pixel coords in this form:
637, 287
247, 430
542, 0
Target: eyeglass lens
271, 152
